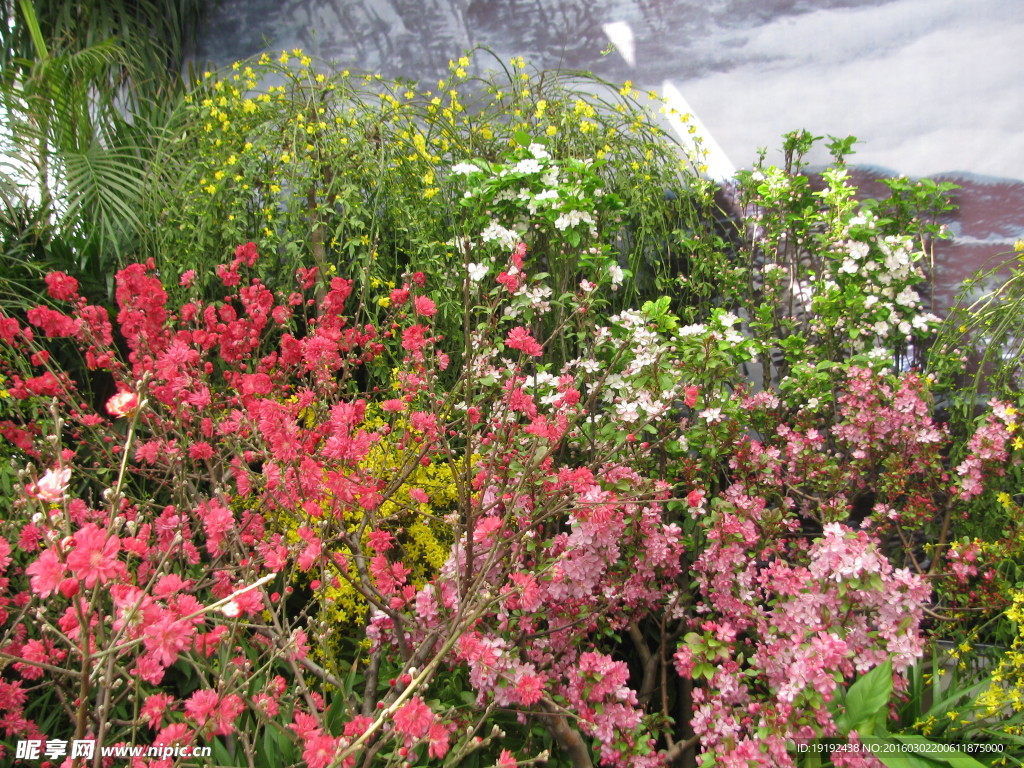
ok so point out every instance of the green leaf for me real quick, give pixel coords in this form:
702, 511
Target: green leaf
270, 754
867, 698
32, 22
221, 754
523, 139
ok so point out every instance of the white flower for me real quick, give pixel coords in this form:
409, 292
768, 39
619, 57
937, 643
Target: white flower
859, 250
538, 151
572, 218
506, 237
478, 272
527, 166
849, 266
465, 168
728, 319
692, 330
907, 297
713, 415
586, 286
616, 272
628, 411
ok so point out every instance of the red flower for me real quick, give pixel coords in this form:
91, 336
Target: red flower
61, 286
319, 750
425, 306
306, 277
414, 719
690, 396
94, 558
438, 737
246, 254
47, 573
414, 338
123, 403
520, 338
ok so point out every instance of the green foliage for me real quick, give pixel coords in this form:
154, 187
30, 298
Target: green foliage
826, 276
85, 88
353, 173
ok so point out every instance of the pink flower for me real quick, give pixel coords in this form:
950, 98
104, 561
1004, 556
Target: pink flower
506, 760
690, 396
187, 277
46, 572
94, 558
419, 495
166, 637
414, 719
155, 707
246, 254
438, 738
61, 286
123, 403
319, 750
51, 486
520, 338
424, 306
530, 689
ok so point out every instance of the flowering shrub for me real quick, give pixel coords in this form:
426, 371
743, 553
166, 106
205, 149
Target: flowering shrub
304, 526
560, 540
337, 169
830, 277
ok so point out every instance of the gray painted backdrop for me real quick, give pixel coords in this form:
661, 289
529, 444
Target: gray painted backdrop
930, 87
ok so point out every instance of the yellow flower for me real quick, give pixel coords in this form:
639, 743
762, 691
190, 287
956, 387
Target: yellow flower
551, 130
384, 301
210, 189
283, 58
286, 158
